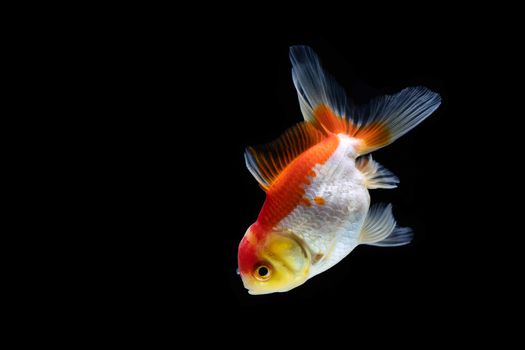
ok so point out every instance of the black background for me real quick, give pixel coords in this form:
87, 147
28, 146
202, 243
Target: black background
196, 102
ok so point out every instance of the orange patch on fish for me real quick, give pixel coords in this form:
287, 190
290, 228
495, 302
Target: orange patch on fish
332, 122
373, 135
288, 190
319, 200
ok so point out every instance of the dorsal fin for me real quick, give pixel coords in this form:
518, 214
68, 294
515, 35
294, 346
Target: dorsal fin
268, 161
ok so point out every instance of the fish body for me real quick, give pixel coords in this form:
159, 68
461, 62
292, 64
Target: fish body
317, 176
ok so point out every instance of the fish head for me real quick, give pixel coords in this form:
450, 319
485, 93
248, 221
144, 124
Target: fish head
275, 262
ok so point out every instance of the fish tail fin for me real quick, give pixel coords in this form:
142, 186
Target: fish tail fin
381, 122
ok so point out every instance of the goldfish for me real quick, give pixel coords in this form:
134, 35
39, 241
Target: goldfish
317, 176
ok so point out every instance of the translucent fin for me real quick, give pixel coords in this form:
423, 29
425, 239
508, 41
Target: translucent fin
400, 236
267, 162
385, 119
314, 86
380, 229
376, 175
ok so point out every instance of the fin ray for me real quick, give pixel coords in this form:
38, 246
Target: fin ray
314, 86
387, 118
375, 174
267, 162
400, 236
380, 229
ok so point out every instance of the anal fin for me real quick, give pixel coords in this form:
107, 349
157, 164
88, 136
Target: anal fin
380, 229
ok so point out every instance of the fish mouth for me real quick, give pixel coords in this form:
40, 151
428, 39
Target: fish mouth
251, 292
282, 290
263, 291
250, 287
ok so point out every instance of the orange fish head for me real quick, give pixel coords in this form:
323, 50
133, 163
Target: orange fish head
272, 262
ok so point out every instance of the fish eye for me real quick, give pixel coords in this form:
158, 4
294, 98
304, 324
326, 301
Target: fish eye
263, 273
